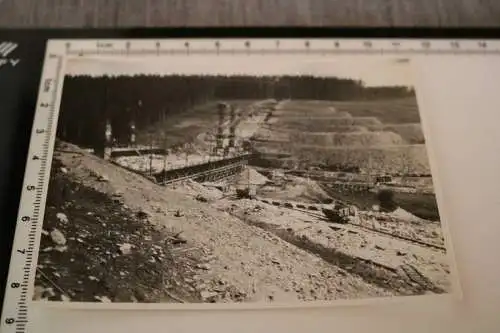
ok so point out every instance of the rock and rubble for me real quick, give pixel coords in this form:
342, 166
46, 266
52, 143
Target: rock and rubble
112, 253
111, 235
384, 242
220, 258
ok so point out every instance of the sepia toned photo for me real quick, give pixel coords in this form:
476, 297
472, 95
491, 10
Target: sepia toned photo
237, 179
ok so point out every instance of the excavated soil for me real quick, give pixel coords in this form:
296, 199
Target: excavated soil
111, 235
91, 265
219, 258
346, 140
310, 123
383, 136
356, 139
388, 159
295, 189
376, 250
411, 133
390, 111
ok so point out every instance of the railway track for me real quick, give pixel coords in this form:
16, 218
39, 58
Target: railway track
382, 232
402, 277
412, 274
226, 171
318, 214
408, 239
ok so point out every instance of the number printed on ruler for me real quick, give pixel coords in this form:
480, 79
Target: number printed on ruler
29, 225
266, 46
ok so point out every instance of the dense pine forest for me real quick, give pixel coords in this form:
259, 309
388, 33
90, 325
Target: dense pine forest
89, 102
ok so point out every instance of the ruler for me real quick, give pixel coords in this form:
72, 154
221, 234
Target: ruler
153, 47
19, 287
30, 216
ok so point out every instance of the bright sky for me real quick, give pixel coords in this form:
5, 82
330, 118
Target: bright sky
373, 70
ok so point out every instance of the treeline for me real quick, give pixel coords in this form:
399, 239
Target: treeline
89, 102
303, 87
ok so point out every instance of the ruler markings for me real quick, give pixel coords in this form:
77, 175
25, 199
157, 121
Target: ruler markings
17, 312
291, 51
323, 46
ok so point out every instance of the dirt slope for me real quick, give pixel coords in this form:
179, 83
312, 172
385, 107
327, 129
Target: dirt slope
295, 189
374, 256
390, 111
312, 123
95, 248
390, 159
411, 133
245, 263
348, 139
384, 135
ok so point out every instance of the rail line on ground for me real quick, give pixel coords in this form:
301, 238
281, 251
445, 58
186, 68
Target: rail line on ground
226, 168
317, 214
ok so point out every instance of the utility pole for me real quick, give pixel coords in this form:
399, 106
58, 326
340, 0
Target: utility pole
132, 133
109, 140
270, 86
370, 166
134, 125
151, 155
164, 167
99, 143
210, 151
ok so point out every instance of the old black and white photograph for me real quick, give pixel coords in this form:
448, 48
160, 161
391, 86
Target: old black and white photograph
240, 179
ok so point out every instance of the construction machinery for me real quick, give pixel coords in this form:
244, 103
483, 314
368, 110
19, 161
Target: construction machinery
246, 193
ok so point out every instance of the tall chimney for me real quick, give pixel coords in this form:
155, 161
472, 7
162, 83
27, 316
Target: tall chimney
108, 141
132, 133
108, 133
232, 128
220, 130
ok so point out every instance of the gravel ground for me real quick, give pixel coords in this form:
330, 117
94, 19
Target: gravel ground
238, 262
338, 243
95, 248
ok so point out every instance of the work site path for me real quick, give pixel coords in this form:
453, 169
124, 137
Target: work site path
257, 264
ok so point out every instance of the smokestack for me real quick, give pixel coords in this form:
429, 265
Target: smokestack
220, 131
108, 141
132, 134
232, 128
108, 133
232, 113
232, 136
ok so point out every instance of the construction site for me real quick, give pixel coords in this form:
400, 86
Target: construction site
273, 201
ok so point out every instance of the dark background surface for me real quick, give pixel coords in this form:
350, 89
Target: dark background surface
19, 88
